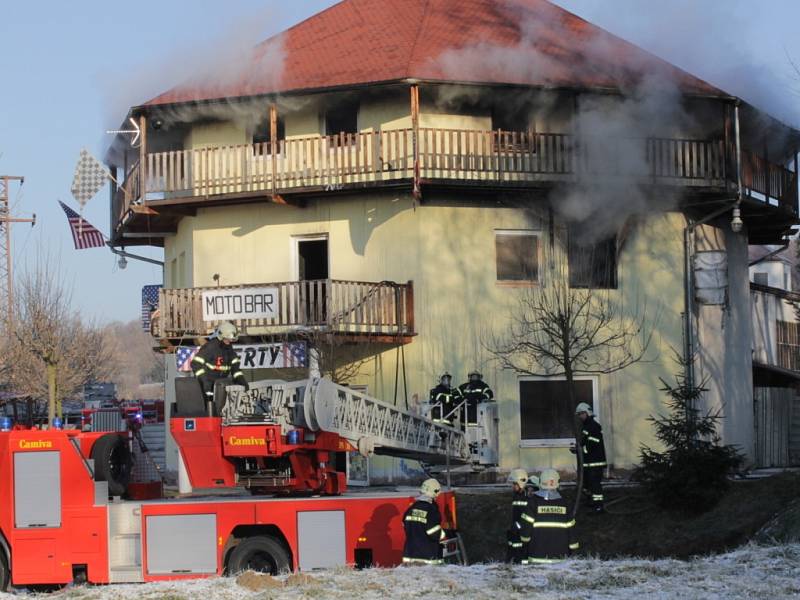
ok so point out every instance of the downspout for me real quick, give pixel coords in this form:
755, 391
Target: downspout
688, 251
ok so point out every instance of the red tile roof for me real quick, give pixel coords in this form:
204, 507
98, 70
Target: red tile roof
355, 42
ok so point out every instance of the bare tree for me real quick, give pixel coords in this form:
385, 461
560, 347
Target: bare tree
338, 359
559, 330
132, 349
52, 351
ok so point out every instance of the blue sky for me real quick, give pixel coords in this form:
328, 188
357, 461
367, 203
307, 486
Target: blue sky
71, 69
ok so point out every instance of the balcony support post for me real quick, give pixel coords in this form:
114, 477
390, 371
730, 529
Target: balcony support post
142, 159
726, 128
792, 188
767, 173
273, 143
416, 189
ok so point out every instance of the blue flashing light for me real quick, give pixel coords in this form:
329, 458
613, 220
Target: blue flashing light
5, 423
58, 423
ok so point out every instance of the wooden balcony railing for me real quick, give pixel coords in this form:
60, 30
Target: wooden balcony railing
788, 345
330, 163
385, 308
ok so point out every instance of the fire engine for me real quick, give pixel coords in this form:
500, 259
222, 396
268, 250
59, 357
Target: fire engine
64, 516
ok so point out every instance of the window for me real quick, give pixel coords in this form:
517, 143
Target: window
761, 278
517, 256
342, 118
592, 265
262, 135
546, 412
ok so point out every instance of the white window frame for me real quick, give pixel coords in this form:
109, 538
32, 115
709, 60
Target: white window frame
537, 233
295, 251
555, 442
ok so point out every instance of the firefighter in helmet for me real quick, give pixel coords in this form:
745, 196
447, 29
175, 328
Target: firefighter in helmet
594, 456
517, 550
547, 525
423, 526
475, 392
444, 400
217, 359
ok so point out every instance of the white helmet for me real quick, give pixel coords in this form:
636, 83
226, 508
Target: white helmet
430, 488
518, 476
226, 331
549, 479
583, 407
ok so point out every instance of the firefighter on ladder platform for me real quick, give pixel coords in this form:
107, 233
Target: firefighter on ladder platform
475, 392
517, 551
423, 526
217, 359
594, 457
444, 400
548, 528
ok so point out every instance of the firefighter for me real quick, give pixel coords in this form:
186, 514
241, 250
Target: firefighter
517, 551
548, 527
423, 526
444, 400
475, 391
594, 457
217, 359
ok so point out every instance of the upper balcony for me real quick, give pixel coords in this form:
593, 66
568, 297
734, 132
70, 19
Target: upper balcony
171, 184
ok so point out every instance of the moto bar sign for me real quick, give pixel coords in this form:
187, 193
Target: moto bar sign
241, 303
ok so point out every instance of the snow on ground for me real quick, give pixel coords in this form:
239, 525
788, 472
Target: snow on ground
766, 572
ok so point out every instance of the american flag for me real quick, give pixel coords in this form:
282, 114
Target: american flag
83, 234
149, 304
294, 354
184, 356
90, 176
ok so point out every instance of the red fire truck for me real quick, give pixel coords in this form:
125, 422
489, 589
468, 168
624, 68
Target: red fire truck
281, 441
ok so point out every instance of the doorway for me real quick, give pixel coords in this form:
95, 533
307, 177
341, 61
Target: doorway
312, 259
311, 268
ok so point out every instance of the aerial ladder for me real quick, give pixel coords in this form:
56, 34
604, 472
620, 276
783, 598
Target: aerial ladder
291, 437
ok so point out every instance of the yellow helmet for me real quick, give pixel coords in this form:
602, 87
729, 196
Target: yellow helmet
518, 476
226, 331
549, 479
430, 487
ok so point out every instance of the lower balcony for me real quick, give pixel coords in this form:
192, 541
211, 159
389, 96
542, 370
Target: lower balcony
370, 311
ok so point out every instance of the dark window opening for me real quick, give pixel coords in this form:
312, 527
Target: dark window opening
592, 265
262, 135
517, 256
546, 412
508, 118
342, 119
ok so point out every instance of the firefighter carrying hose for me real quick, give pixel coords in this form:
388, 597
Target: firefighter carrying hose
217, 359
475, 392
444, 400
594, 457
423, 526
517, 551
548, 528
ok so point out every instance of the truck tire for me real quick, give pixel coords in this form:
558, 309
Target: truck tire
260, 553
5, 575
112, 462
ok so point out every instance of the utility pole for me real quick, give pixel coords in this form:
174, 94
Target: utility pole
6, 266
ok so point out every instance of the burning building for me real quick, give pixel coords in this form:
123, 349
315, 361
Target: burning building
401, 174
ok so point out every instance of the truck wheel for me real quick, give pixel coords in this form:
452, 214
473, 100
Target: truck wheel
4, 574
112, 462
260, 553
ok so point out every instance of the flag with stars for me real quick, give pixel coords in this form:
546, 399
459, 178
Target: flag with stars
184, 356
149, 304
90, 176
294, 354
84, 235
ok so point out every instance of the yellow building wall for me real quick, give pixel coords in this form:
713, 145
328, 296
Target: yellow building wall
458, 302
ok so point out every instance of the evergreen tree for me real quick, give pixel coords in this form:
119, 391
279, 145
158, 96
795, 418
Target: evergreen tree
691, 473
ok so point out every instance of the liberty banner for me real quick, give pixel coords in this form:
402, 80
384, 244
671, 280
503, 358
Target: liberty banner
253, 356
240, 303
